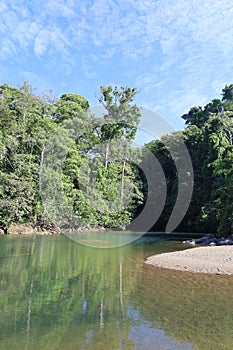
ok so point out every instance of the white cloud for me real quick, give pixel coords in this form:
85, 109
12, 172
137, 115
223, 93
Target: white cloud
3, 6
41, 43
88, 71
177, 49
134, 24
7, 48
63, 9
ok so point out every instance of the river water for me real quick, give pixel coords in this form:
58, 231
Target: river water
58, 294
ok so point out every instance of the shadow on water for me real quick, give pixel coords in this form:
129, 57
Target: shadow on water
55, 294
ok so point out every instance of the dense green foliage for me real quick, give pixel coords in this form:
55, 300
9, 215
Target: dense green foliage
61, 166
209, 139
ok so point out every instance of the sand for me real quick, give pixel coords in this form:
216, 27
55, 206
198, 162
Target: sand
214, 260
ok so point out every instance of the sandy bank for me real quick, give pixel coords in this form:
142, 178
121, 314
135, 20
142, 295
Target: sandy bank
215, 260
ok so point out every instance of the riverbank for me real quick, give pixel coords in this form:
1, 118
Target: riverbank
212, 260
27, 229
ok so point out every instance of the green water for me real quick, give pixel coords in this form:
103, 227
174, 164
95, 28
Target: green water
57, 294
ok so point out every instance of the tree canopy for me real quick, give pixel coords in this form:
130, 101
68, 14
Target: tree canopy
61, 164
55, 154
208, 137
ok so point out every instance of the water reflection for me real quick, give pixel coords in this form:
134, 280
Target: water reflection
194, 308
55, 294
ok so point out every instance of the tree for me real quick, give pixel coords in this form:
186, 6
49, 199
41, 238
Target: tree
121, 119
227, 93
25, 127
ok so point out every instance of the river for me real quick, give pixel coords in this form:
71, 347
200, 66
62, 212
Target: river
58, 294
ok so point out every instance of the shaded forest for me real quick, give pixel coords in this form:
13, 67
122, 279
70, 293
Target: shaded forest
62, 166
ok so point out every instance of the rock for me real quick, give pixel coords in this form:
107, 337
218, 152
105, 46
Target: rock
211, 240
206, 239
119, 228
19, 229
192, 242
224, 242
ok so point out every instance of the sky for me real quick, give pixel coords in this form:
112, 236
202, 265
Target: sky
177, 53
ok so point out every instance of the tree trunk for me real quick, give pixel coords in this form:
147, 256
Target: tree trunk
41, 167
106, 154
122, 181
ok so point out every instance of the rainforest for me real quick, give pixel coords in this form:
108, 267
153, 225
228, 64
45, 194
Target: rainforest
92, 172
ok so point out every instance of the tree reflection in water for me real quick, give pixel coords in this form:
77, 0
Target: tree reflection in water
56, 294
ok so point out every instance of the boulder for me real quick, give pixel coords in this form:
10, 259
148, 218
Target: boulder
19, 229
211, 240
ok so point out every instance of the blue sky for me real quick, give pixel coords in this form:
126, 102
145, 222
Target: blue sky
178, 53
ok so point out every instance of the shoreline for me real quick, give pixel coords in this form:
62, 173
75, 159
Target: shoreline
27, 229
210, 260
